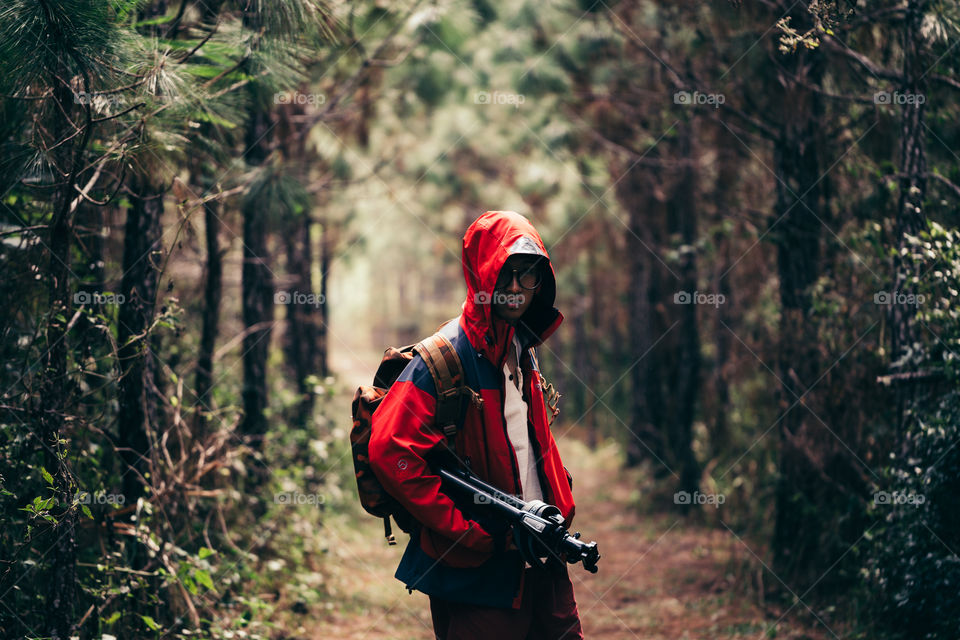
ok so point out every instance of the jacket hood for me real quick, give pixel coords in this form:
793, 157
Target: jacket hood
488, 242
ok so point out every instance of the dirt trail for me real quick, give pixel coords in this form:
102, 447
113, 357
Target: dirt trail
660, 578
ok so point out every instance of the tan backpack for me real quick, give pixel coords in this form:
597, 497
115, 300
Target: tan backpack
445, 367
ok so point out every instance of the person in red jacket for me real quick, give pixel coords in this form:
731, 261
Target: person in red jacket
480, 587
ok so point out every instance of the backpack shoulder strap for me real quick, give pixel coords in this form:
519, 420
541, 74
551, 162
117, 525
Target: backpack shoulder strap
442, 359
444, 364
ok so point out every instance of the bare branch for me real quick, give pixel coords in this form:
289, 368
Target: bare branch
955, 188
200, 44
838, 46
908, 376
944, 181
117, 115
950, 82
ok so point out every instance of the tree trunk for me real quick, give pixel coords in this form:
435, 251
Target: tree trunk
212, 294
257, 277
655, 368
726, 176
582, 401
687, 387
592, 343
324, 320
301, 311
645, 440
913, 188
257, 294
136, 361
89, 236
61, 579
720, 431
797, 235
141, 247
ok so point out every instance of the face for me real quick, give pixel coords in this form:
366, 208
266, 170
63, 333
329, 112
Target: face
518, 282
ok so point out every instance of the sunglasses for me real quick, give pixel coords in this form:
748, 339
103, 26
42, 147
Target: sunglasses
528, 276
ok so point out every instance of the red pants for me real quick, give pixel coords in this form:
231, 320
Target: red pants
548, 611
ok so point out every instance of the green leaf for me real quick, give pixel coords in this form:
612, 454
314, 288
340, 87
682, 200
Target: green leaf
154, 21
46, 476
113, 617
215, 119
150, 622
203, 577
38, 505
204, 70
205, 552
86, 511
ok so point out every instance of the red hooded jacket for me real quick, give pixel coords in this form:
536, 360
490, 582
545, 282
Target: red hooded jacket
452, 556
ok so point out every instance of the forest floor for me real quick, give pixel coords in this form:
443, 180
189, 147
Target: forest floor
660, 577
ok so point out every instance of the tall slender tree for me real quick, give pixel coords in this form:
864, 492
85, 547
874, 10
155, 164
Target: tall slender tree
910, 218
